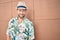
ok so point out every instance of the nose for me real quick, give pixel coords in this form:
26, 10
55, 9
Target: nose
21, 12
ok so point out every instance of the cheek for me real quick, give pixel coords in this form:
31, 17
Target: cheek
18, 12
23, 12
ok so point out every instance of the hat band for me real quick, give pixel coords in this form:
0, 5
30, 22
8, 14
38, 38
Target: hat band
21, 7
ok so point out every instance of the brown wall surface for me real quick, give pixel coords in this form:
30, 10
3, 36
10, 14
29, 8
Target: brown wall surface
45, 14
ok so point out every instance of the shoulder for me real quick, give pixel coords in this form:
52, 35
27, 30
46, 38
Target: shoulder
12, 20
28, 21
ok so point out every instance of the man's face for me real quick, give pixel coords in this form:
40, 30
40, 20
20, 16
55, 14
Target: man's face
21, 13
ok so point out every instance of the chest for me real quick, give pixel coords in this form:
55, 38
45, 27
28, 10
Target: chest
22, 27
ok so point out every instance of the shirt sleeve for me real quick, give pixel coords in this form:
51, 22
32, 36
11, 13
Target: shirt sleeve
31, 31
9, 27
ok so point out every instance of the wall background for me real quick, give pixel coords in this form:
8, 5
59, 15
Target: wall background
45, 14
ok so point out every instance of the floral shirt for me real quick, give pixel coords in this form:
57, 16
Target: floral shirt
20, 31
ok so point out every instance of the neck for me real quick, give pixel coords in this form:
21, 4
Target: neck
20, 19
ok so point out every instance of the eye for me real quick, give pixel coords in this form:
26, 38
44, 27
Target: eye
23, 9
19, 10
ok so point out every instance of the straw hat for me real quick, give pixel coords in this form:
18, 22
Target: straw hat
21, 5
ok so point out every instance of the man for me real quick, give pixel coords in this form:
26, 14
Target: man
20, 28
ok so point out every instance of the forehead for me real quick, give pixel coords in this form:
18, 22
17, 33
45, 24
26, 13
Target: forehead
19, 9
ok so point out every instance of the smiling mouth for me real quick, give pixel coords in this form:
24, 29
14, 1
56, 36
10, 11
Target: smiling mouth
21, 16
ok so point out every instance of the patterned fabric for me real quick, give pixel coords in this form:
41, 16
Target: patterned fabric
20, 31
